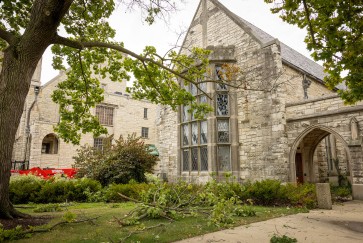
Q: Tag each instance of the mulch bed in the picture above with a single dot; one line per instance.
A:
(25, 222)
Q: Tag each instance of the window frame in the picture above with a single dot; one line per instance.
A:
(105, 114)
(144, 132)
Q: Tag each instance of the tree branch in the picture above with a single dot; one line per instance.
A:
(92, 44)
(7, 36)
(307, 13)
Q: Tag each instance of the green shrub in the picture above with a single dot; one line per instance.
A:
(341, 193)
(25, 189)
(273, 193)
(62, 190)
(120, 162)
(303, 195)
(266, 192)
(133, 190)
(282, 239)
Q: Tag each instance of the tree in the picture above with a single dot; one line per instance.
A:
(28, 27)
(335, 34)
(119, 161)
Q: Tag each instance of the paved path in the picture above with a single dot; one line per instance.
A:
(343, 224)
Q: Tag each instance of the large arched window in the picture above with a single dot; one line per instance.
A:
(50, 144)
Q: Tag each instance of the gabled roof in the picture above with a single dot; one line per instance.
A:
(289, 55)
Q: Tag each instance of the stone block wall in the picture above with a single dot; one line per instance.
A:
(128, 119)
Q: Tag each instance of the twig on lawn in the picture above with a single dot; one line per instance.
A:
(140, 231)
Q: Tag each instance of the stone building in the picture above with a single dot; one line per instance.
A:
(295, 129)
(37, 143)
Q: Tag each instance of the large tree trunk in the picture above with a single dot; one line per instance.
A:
(18, 65)
(15, 80)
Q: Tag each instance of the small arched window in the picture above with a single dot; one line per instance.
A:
(50, 144)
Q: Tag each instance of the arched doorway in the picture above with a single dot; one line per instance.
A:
(50, 144)
(319, 154)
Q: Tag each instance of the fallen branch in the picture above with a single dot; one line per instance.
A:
(59, 223)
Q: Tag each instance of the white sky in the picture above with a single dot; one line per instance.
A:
(136, 34)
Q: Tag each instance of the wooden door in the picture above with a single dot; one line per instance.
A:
(299, 168)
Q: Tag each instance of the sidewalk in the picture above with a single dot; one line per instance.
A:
(342, 224)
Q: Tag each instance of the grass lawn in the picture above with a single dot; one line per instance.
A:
(107, 229)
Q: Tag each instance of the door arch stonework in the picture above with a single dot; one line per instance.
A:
(312, 136)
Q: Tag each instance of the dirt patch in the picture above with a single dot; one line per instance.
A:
(25, 222)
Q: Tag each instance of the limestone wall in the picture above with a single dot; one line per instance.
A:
(320, 117)
(260, 115)
(294, 87)
(128, 119)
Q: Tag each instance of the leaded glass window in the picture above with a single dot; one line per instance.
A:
(223, 131)
(204, 158)
(220, 75)
(186, 134)
(194, 135)
(193, 89)
(203, 87)
(185, 113)
(224, 158)
(203, 132)
(185, 160)
(195, 159)
(222, 104)
(203, 99)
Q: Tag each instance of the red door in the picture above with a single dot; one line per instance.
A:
(299, 168)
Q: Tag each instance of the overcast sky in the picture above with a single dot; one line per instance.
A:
(136, 34)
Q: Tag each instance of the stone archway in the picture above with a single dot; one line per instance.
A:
(301, 157)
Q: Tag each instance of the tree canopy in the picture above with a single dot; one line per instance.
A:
(335, 35)
(82, 39)
(87, 46)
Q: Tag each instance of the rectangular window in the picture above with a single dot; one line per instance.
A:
(185, 134)
(98, 143)
(104, 115)
(185, 160)
(203, 132)
(145, 132)
(195, 159)
(224, 158)
(204, 158)
(223, 131)
(222, 105)
(145, 113)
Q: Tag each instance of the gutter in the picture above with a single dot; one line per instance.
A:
(27, 128)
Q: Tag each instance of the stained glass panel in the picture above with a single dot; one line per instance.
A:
(203, 158)
(194, 159)
(224, 158)
(223, 131)
(203, 132)
(194, 133)
(222, 105)
(185, 160)
(185, 134)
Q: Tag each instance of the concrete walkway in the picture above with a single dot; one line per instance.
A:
(342, 224)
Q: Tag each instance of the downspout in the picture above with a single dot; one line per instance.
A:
(27, 128)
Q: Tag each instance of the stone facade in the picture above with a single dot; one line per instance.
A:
(41, 114)
(267, 128)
